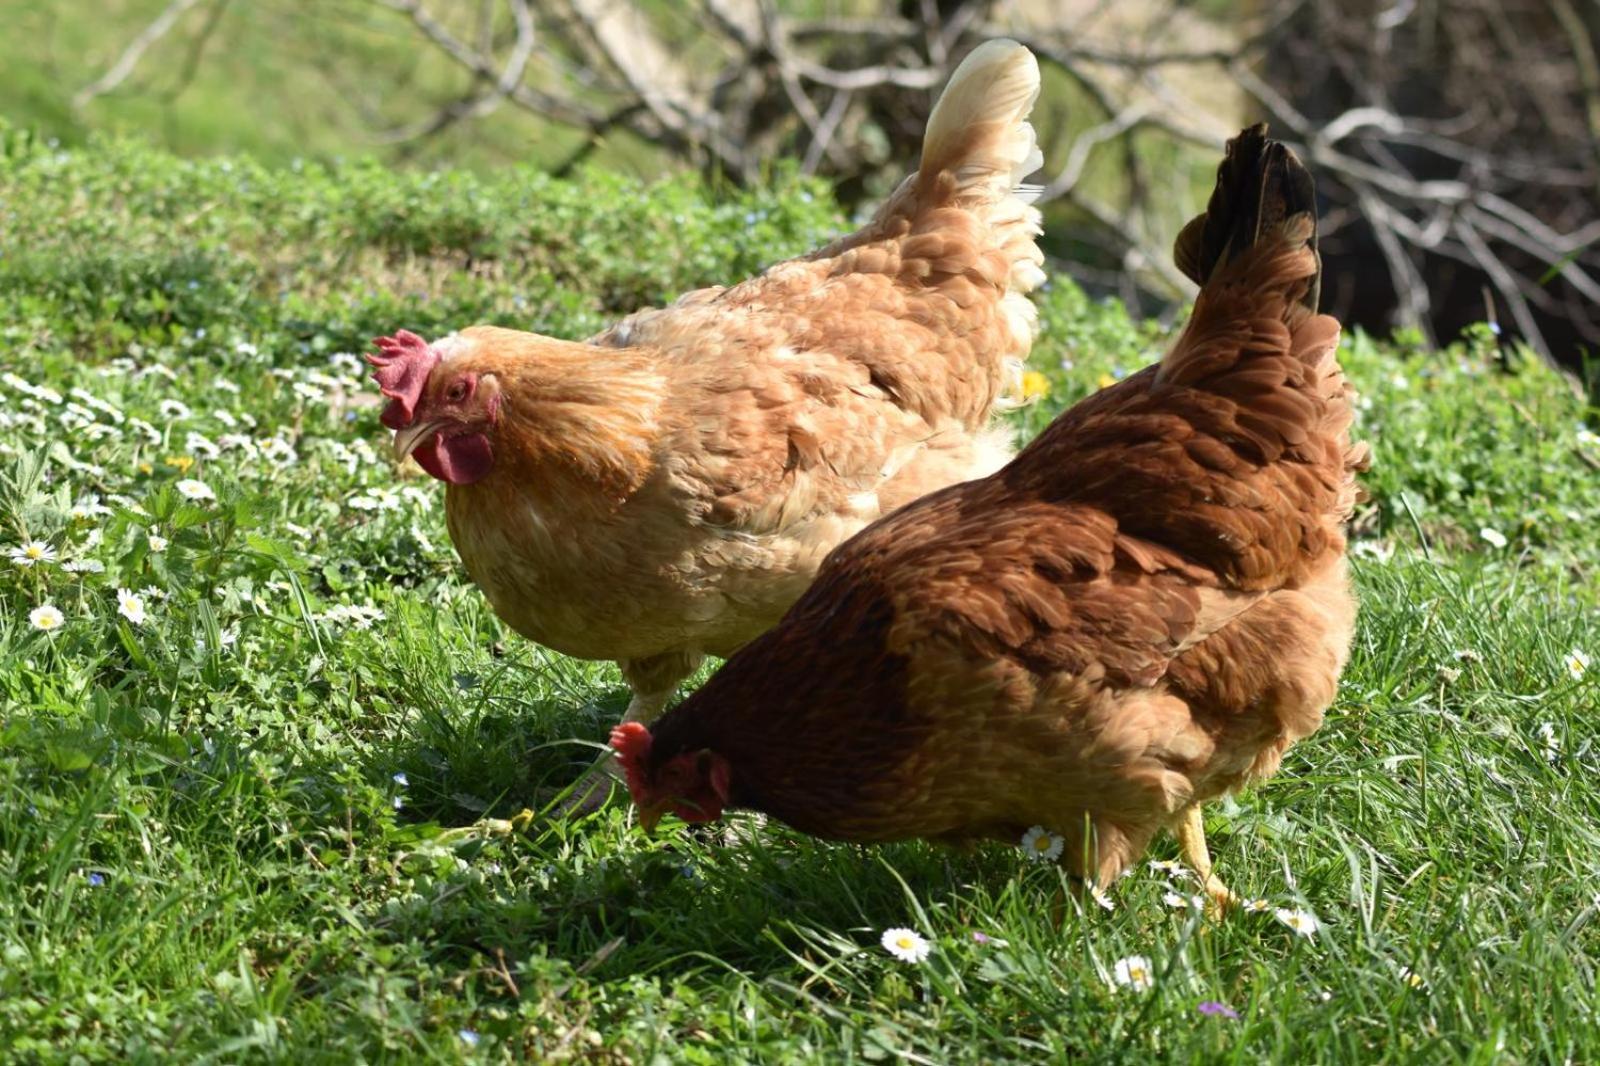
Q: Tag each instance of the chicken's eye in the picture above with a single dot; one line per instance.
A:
(457, 391)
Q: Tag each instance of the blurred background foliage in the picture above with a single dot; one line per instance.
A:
(1457, 141)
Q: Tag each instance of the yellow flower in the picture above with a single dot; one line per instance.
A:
(1034, 385)
(146, 468)
(1105, 381)
(181, 462)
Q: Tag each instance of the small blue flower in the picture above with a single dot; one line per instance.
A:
(468, 1037)
(401, 779)
(95, 879)
(399, 802)
(1217, 1010)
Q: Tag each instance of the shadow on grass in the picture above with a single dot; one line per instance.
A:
(498, 758)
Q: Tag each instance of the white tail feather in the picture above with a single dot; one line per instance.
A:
(979, 129)
(980, 135)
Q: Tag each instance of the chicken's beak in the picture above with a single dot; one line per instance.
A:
(649, 817)
(408, 439)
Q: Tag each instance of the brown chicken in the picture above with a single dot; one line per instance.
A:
(1139, 613)
(667, 489)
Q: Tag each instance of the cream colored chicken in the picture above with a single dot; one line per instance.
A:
(667, 489)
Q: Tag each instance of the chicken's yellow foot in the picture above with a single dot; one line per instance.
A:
(1191, 831)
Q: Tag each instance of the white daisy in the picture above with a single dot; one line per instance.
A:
(1552, 743)
(1493, 537)
(1577, 664)
(277, 450)
(237, 442)
(354, 615)
(151, 434)
(1041, 845)
(87, 508)
(32, 552)
(46, 617)
(1255, 906)
(84, 566)
(1178, 901)
(195, 444)
(1302, 922)
(130, 605)
(191, 489)
(1167, 868)
(157, 542)
(1099, 895)
(1134, 972)
(174, 409)
(907, 945)
(1412, 979)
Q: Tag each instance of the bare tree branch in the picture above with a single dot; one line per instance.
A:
(505, 84)
(129, 59)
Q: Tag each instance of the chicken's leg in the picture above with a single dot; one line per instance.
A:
(653, 681)
(1191, 832)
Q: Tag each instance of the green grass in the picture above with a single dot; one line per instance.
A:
(205, 853)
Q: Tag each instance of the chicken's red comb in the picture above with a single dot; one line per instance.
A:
(631, 741)
(403, 364)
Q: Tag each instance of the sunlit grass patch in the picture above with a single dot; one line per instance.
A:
(244, 684)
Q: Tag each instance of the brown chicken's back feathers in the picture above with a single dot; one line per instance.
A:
(1142, 610)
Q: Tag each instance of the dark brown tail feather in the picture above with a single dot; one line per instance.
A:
(1260, 185)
